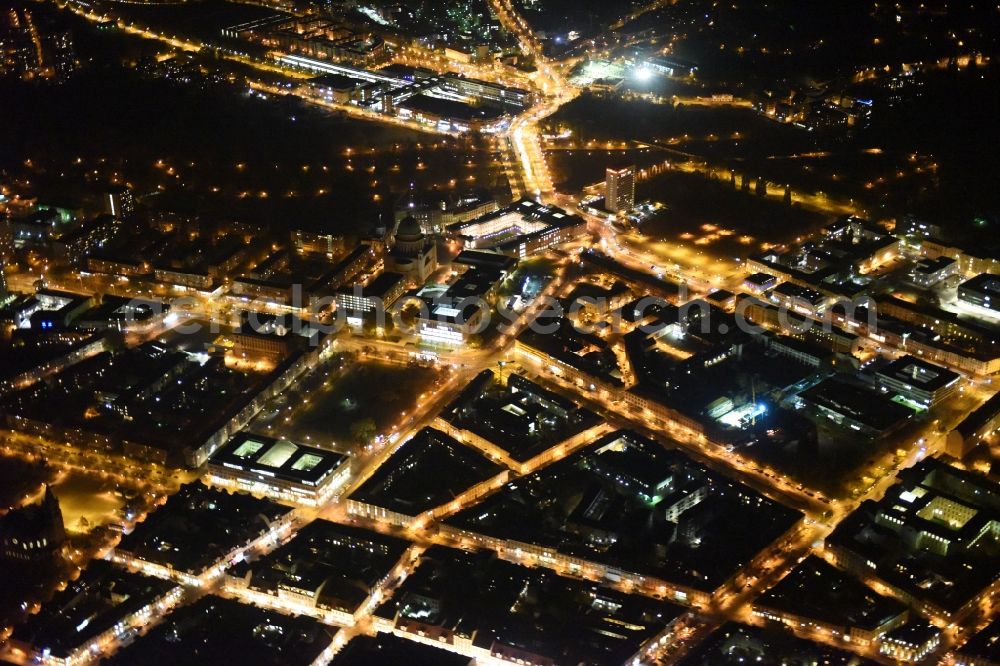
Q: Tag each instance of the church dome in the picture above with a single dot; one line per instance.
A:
(409, 230)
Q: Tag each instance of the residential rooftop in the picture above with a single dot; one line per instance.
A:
(984, 645)
(737, 645)
(520, 416)
(818, 591)
(30, 349)
(197, 526)
(390, 650)
(425, 472)
(100, 598)
(582, 351)
(629, 503)
(216, 631)
(337, 565)
(155, 397)
(523, 613)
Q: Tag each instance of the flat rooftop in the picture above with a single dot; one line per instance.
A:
(377, 287)
(266, 457)
(454, 110)
(336, 82)
(524, 216)
(125, 310)
(857, 403)
(761, 280)
(474, 282)
(791, 290)
(986, 284)
(914, 632)
(982, 416)
(919, 373)
(481, 259)
(931, 266)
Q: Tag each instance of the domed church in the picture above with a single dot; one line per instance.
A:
(413, 253)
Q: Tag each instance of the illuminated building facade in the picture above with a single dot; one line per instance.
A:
(619, 189)
(278, 469)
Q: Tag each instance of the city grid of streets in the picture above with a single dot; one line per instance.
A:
(529, 176)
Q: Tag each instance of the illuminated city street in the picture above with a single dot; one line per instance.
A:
(492, 332)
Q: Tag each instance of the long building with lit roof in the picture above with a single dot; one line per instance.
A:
(278, 469)
(521, 229)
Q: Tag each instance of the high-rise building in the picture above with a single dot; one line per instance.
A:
(619, 189)
(6, 237)
(119, 202)
(62, 52)
(6, 252)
